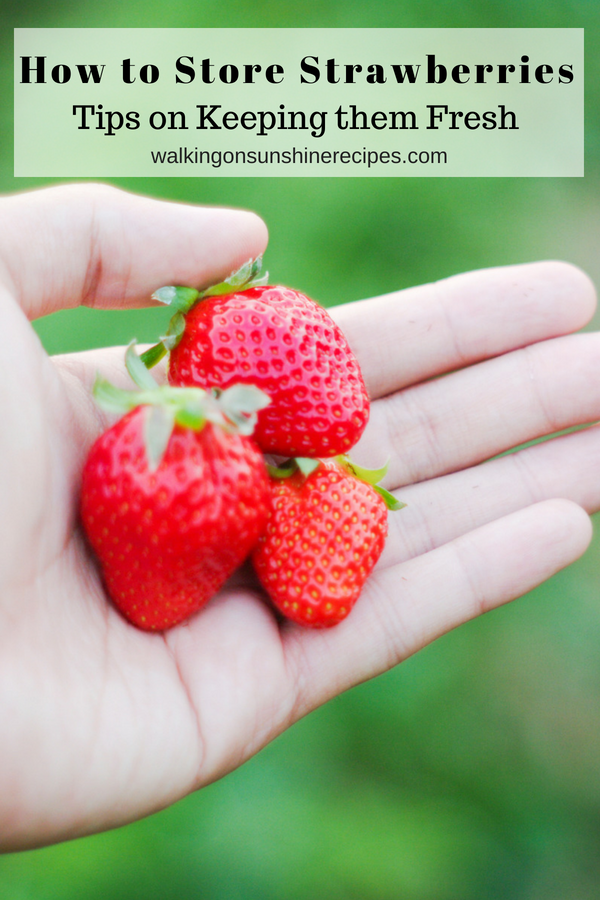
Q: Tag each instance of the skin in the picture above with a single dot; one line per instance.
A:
(107, 723)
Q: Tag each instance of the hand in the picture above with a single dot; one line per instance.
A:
(104, 723)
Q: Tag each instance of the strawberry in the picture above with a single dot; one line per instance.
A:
(326, 531)
(173, 498)
(284, 343)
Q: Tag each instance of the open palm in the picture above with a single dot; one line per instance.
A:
(104, 723)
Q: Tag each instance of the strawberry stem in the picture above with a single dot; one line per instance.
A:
(153, 355)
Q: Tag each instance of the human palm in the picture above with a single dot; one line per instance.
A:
(108, 723)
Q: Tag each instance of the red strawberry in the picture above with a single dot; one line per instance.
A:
(325, 534)
(169, 532)
(285, 344)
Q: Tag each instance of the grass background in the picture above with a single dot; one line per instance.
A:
(472, 771)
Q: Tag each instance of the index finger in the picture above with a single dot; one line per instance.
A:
(415, 334)
(96, 245)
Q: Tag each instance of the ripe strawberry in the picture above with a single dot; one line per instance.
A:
(285, 344)
(170, 520)
(325, 534)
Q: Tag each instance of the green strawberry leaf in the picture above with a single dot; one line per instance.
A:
(112, 399)
(158, 428)
(370, 476)
(174, 331)
(240, 403)
(194, 415)
(307, 466)
(390, 500)
(138, 371)
(245, 277)
(180, 299)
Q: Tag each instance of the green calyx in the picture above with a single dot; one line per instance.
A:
(291, 466)
(369, 476)
(182, 299)
(247, 276)
(234, 409)
(372, 477)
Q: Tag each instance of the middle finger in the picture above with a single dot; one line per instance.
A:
(449, 423)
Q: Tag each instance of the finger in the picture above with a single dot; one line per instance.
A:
(443, 508)
(95, 245)
(468, 416)
(411, 335)
(405, 607)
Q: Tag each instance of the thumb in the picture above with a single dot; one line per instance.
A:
(96, 245)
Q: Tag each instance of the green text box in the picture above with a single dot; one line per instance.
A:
(314, 102)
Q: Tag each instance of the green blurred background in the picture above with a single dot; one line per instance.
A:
(472, 771)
